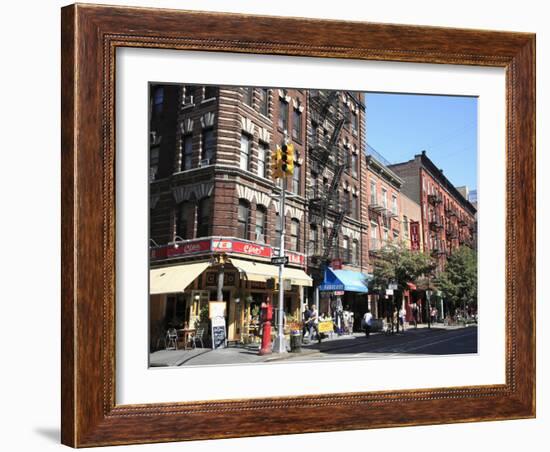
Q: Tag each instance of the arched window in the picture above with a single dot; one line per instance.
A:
(295, 234)
(204, 217)
(185, 220)
(261, 224)
(242, 219)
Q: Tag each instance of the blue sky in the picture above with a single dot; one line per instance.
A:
(402, 125)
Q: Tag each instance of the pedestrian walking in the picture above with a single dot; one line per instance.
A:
(414, 312)
(311, 320)
(402, 315)
(367, 322)
(395, 320)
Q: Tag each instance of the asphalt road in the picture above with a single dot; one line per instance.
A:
(423, 341)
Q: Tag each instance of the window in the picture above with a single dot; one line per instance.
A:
(296, 179)
(355, 207)
(395, 236)
(373, 244)
(189, 93)
(295, 234)
(203, 217)
(385, 198)
(394, 204)
(313, 239)
(296, 124)
(209, 92)
(373, 194)
(185, 220)
(245, 152)
(154, 162)
(263, 151)
(242, 220)
(248, 93)
(264, 101)
(345, 249)
(187, 150)
(354, 165)
(158, 100)
(405, 226)
(283, 115)
(354, 123)
(207, 145)
(355, 252)
(385, 235)
(261, 218)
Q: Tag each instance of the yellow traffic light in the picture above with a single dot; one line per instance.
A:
(287, 165)
(276, 162)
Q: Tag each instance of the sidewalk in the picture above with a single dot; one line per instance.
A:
(248, 354)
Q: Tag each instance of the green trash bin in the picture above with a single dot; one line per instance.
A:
(296, 343)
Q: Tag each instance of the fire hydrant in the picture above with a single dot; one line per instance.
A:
(266, 315)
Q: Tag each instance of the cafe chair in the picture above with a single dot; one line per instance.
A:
(171, 339)
(197, 336)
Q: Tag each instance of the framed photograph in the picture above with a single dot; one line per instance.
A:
(337, 218)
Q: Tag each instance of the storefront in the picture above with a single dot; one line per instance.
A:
(180, 289)
(343, 295)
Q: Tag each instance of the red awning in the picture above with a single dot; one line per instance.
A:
(411, 286)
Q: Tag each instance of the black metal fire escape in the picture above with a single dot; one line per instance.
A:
(328, 162)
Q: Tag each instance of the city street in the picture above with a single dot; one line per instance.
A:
(414, 342)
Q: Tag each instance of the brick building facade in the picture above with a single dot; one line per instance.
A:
(448, 219)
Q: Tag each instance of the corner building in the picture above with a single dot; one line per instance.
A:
(214, 221)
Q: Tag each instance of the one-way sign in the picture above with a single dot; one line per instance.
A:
(279, 260)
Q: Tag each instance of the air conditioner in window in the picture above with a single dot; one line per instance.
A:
(204, 162)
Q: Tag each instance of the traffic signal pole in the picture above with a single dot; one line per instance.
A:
(279, 345)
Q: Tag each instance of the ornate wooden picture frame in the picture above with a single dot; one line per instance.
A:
(90, 37)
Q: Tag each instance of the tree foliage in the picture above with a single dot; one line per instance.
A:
(458, 283)
(400, 265)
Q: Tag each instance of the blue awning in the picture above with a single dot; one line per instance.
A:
(346, 280)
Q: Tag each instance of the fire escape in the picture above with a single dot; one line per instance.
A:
(328, 163)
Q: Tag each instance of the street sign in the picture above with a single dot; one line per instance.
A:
(279, 260)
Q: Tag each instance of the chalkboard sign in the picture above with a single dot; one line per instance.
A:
(219, 335)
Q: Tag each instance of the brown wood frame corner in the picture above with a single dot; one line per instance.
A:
(90, 36)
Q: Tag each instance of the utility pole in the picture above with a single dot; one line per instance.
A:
(279, 346)
(284, 164)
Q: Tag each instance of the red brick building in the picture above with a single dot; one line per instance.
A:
(214, 221)
(448, 219)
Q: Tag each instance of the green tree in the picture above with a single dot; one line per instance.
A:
(458, 282)
(398, 264)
